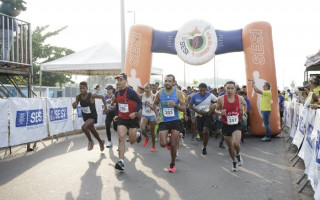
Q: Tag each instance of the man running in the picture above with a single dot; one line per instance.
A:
(110, 114)
(170, 100)
(201, 104)
(231, 107)
(89, 113)
(128, 104)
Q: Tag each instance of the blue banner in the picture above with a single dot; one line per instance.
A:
(56, 114)
(29, 117)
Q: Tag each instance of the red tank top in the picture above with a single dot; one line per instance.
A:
(125, 106)
(232, 116)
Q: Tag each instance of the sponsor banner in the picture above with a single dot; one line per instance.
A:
(101, 114)
(77, 116)
(295, 120)
(314, 167)
(306, 150)
(287, 113)
(28, 120)
(59, 115)
(196, 42)
(4, 110)
(299, 135)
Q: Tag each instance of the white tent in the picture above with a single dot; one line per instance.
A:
(101, 59)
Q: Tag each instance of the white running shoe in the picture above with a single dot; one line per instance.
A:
(109, 144)
(234, 166)
(177, 154)
(181, 138)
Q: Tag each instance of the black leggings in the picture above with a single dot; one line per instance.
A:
(108, 121)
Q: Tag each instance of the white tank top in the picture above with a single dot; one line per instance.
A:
(146, 110)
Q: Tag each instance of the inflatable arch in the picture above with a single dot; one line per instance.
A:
(196, 43)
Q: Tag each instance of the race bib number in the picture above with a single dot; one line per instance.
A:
(231, 120)
(168, 112)
(124, 108)
(86, 110)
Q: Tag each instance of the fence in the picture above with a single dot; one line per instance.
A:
(304, 127)
(32, 119)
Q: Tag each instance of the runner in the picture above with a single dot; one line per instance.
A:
(170, 100)
(201, 104)
(89, 113)
(231, 107)
(148, 115)
(110, 114)
(193, 115)
(128, 105)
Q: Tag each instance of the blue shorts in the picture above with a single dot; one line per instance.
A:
(149, 118)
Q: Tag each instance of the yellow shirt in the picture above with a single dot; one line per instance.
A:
(316, 92)
(265, 103)
(179, 112)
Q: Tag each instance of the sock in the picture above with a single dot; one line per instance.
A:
(122, 161)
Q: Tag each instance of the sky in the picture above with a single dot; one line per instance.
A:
(295, 29)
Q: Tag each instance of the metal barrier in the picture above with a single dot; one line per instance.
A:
(16, 41)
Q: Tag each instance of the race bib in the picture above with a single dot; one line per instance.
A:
(86, 110)
(234, 119)
(148, 109)
(168, 112)
(124, 108)
(204, 108)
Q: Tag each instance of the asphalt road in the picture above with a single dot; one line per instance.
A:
(66, 170)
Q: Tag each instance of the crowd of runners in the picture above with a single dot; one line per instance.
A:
(166, 114)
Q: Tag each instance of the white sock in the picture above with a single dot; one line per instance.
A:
(122, 161)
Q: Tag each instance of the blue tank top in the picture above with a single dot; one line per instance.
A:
(168, 113)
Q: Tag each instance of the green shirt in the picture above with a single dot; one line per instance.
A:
(265, 104)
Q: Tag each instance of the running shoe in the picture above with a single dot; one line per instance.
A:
(181, 138)
(146, 141)
(119, 165)
(90, 146)
(153, 148)
(177, 154)
(109, 144)
(102, 145)
(221, 145)
(204, 150)
(139, 133)
(240, 161)
(198, 137)
(172, 168)
(234, 166)
(266, 139)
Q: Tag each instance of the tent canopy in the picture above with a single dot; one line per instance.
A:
(101, 59)
(313, 62)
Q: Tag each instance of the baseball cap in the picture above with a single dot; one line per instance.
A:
(196, 89)
(121, 76)
(183, 88)
(109, 87)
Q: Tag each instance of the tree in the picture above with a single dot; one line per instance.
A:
(42, 53)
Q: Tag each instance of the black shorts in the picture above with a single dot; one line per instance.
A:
(175, 125)
(227, 130)
(85, 118)
(204, 121)
(129, 123)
